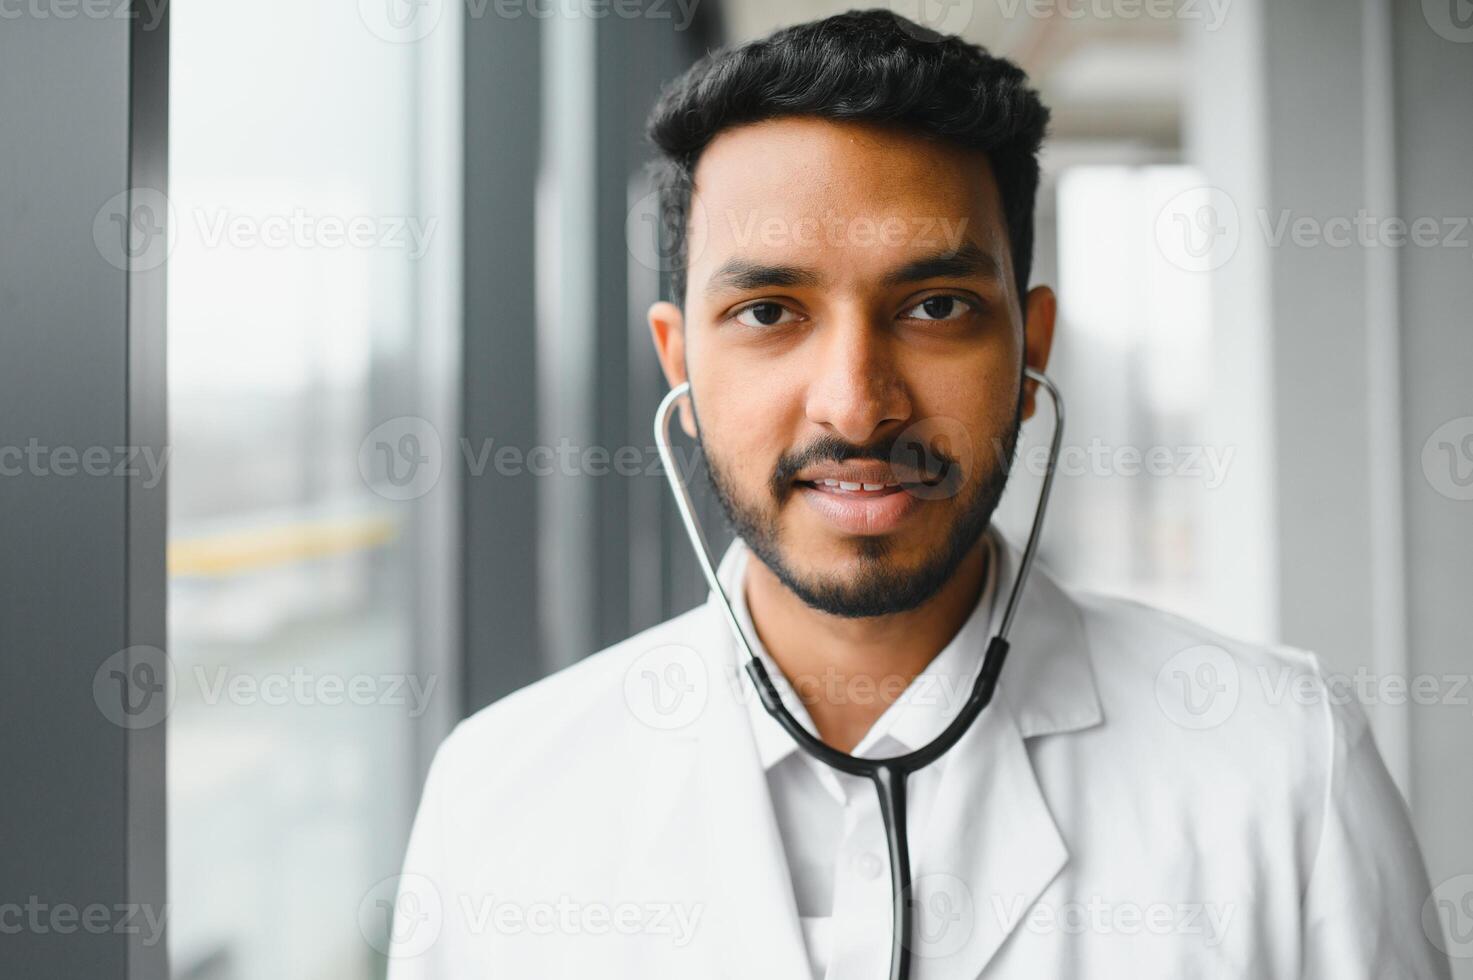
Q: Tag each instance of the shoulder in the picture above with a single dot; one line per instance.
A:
(578, 718)
(1256, 761)
(1224, 719)
(1199, 678)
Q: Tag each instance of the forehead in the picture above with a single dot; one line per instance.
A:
(820, 191)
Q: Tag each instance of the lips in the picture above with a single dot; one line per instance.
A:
(857, 507)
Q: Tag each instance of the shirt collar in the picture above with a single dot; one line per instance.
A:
(931, 700)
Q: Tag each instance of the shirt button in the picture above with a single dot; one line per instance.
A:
(868, 865)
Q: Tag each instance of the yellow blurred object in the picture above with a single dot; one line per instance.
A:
(231, 552)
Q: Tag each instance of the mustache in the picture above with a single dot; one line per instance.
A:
(913, 460)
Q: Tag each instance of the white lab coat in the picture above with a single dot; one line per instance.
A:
(1143, 799)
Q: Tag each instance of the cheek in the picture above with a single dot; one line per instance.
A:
(972, 406)
(746, 430)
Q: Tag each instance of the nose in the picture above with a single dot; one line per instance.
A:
(855, 389)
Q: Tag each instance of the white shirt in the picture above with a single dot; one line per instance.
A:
(830, 821)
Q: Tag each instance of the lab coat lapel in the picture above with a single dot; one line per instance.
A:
(990, 851)
(707, 827)
(753, 905)
(992, 846)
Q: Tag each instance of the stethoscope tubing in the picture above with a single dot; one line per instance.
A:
(888, 775)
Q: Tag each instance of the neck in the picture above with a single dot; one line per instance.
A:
(848, 671)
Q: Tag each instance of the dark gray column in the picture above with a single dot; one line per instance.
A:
(500, 513)
(593, 556)
(1433, 61)
(83, 152)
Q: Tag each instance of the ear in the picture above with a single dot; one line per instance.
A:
(1038, 339)
(667, 329)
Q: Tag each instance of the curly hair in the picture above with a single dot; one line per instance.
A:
(862, 65)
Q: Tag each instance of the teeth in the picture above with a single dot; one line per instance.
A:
(855, 486)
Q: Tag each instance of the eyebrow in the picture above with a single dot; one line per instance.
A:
(965, 261)
(743, 274)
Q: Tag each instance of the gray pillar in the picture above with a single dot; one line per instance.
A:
(84, 113)
(1433, 66)
(503, 648)
(557, 567)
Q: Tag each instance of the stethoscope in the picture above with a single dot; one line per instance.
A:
(888, 775)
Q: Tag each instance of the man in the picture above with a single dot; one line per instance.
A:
(853, 202)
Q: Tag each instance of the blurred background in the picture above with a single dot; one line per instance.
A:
(410, 247)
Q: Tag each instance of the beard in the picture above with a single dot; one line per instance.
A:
(880, 588)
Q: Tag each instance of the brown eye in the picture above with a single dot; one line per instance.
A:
(762, 315)
(939, 308)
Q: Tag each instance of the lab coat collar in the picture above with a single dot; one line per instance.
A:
(1048, 678)
(992, 846)
(922, 712)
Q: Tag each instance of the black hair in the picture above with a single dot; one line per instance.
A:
(862, 65)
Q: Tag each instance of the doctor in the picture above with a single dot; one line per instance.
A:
(853, 200)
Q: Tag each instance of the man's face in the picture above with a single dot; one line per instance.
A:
(854, 344)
